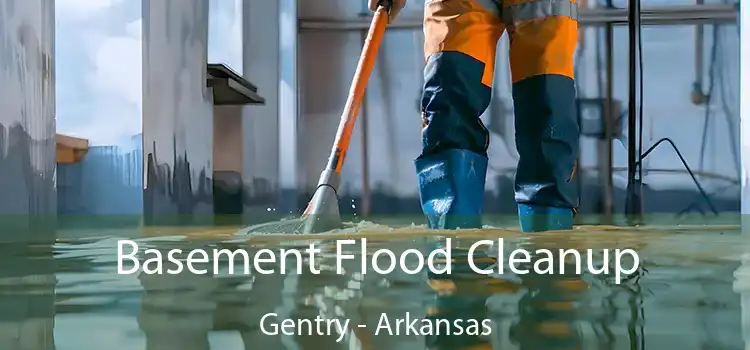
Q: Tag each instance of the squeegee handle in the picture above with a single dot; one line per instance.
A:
(357, 89)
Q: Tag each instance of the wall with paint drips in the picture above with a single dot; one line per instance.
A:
(27, 120)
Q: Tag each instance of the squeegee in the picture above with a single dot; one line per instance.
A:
(322, 212)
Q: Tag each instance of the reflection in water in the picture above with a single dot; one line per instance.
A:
(460, 297)
(548, 311)
(686, 298)
(177, 309)
(27, 297)
(568, 310)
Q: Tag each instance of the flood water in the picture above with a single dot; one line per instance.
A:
(685, 295)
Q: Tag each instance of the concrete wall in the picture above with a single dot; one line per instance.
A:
(27, 171)
(177, 110)
(228, 186)
(289, 172)
(227, 129)
(27, 117)
(745, 105)
(261, 124)
(742, 276)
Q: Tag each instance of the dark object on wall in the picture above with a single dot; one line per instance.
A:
(230, 88)
(227, 193)
(591, 111)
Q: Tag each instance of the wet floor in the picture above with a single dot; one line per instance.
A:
(686, 294)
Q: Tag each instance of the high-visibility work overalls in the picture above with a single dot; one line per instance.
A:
(460, 43)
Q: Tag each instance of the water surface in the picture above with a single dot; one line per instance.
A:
(69, 296)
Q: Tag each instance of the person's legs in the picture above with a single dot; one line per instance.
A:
(460, 43)
(544, 35)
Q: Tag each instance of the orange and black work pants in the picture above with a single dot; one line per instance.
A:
(460, 44)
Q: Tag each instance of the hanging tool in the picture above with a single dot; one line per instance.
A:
(322, 212)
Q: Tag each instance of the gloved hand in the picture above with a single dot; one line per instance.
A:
(396, 7)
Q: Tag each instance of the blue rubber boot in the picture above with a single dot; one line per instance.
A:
(537, 218)
(451, 188)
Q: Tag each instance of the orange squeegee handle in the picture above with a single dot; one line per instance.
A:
(357, 89)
